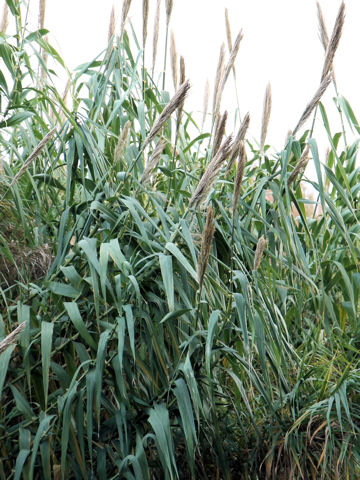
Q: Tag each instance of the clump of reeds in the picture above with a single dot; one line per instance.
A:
(210, 174)
(176, 101)
(265, 117)
(260, 247)
(205, 249)
(34, 154)
(153, 160)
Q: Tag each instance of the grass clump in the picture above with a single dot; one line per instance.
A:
(194, 320)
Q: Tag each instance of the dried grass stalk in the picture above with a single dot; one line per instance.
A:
(174, 60)
(11, 338)
(122, 142)
(210, 174)
(34, 155)
(124, 14)
(145, 20)
(153, 160)
(219, 132)
(218, 80)
(206, 102)
(156, 32)
(300, 166)
(111, 31)
(313, 103)
(206, 242)
(265, 117)
(240, 136)
(169, 6)
(324, 37)
(334, 41)
(260, 247)
(42, 8)
(4, 19)
(176, 101)
(239, 177)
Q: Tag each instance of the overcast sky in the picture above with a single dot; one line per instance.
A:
(280, 45)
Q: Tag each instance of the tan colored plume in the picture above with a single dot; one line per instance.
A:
(300, 166)
(206, 102)
(111, 31)
(231, 62)
(145, 20)
(260, 247)
(240, 136)
(239, 177)
(333, 42)
(5, 18)
(265, 117)
(176, 101)
(210, 174)
(153, 160)
(35, 153)
(219, 132)
(314, 102)
(173, 56)
(11, 338)
(124, 14)
(169, 6)
(206, 242)
(156, 33)
(122, 142)
(218, 80)
(181, 106)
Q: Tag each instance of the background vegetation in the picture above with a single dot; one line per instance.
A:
(184, 310)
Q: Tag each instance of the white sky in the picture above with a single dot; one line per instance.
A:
(280, 45)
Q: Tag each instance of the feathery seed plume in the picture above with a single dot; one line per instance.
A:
(219, 132)
(156, 33)
(111, 30)
(237, 142)
(231, 61)
(145, 20)
(228, 30)
(206, 102)
(122, 142)
(169, 7)
(265, 117)
(315, 100)
(324, 37)
(260, 247)
(218, 80)
(176, 101)
(300, 166)
(334, 41)
(239, 177)
(42, 6)
(210, 174)
(205, 248)
(124, 14)
(5, 19)
(11, 338)
(36, 152)
(181, 106)
(173, 55)
(153, 160)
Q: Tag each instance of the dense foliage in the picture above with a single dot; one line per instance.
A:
(128, 365)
